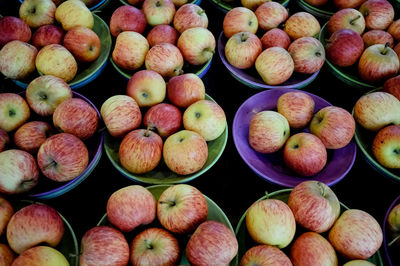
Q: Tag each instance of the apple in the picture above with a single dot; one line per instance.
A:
(274, 65)
(32, 225)
(17, 59)
(13, 28)
(135, 2)
(356, 234)
(270, 15)
(308, 55)
(190, 16)
(130, 207)
(162, 33)
(185, 152)
(72, 13)
(45, 93)
(37, 13)
(164, 118)
(120, 114)
(130, 50)
(314, 205)
(14, 111)
(19, 171)
(340, 4)
(4, 140)
(181, 208)
(394, 29)
(127, 18)
(358, 263)
(154, 246)
(275, 37)
(158, 11)
(47, 34)
(104, 245)
(239, 19)
(212, 243)
(185, 89)
(147, 87)
(7, 256)
(297, 107)
(372, 37)
(302, 24)
(242, 49)
(393, 221)
(30, 136)
(265, 255)
(83, 43)
(344, 47)
(316, 2)
(140, 151)
(392, 86)
(378, 63)
(396, 49)
(271, 222)
(378, 14)
(62, 157)
(41, 256)
(252, 4)
(165, 59)
(385, 146)
(311, 248)
(347, 18)
(6, 211)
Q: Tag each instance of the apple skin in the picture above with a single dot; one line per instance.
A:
(396, 49)
(190, 16)
(372, 37)
(270, 15)
(239, 19)
(358, 263)
(17, 59)
(147, 87)
(181, 208)
(162, 33)
(127, 18)
(158, 12)
(4, 140)
(140, 151)
(185, 152)
(185, 89)
(104, 245)
(297, 107)
(47, 34)
(41, 256)
(314, 205)
(302, 24)
(32, 225)
(14, 111)
(308, 55)
(242, 49)
(164, 118)
(165, 59)
(7, 256)
(62, 157)
(45, 93)
(394, 29)
(30, 136)
(83, 43)
(393, 220)
(212, 243)
(392, 86)
(13, 28)
(271, 222)
(130, 207)
(311, 248)
(37, 13)
(265, 255)
(378, 14)
(120, 114)
(6, 212)
(340, 4)
(347, 18)
(275, 37)
(385, 146)
(356, 234)
(72, 13)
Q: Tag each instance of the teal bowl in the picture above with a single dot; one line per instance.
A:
(225, 6)
(246, 242)
(324, 12)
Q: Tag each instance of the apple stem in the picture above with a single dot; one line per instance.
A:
(354, 20)
(266, 194)
(148, 244)
(385, 49)
(53, 163)
(322, 189)
(394, 240)
(178, 71)
(169, 202)
(243, 37)
(147, 133)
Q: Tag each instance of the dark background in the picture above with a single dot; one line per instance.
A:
(230, 182)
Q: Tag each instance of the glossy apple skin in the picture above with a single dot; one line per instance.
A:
(311, 248)
(212, 243)
(372, 37)
(47, 34)
(165, 59)
(302, 24)
(340, 4)
(385, 146)
(6, 211)
(41, 255)
(190, 16)
(275, 37)
(7, 256)
(127, 18)
(164, 118)
(14, 111)
(356, 234)
(120, 114)
(4, 140)
(265, 255)
(394, 29)
(32, 225)
(104, 245)
(378, 14)
(140, 151)
(242, 49)
(155, 246)
(74, 13)
(37, 13)
(162, 33)
(62, 157)
(181, 208)
(347, 18)
(185, 89)
(158, 11)
(239, 19)
(13, 28)
(392, 86)
(83, 43)
(30, 136)
(297, 107)
(308, 55)
(270, 15)
(130, 207)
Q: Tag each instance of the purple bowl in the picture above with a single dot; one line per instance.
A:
(387, 236)
(271, 167)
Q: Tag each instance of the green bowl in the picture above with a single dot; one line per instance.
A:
(246, 242)
(324, 12)
(161, 174)
(215, 213)
(225, 6)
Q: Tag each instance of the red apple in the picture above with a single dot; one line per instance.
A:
(396, 49)
(347, 18)
(127, 18)
(270, 15)
(394, 29)
(242, 49)
(190, 16)
(385, 146)
(158, 11)
(265, 255)
(162, 33)
(340, 4)
(297, 107)
(239, 19)
(14, 111)
(30, 136)
(7, 256)
(308, 55)
(165, 59)
(372, 37)
(275, 37)
(6, 212)
(185, 89)
(13, 28)
(83, 43)
(392, 86)
(41, 255)
(302, 24)
(378, 14)
(4, 140)
(164, 118)
(47, 34)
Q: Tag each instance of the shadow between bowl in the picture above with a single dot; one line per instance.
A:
(387, 237)
(325, 12)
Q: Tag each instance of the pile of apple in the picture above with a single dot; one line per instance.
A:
(62, 41)
(313, 212)
(32, 234)
(51, 140)
(305, 153)
(366, 39)
(161, 136)
(161, 230)
(278, 53)
(146, 39)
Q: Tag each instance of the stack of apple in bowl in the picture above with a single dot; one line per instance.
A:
(391, 232)
(361, 44)
(290, 57)
(145, 39)
(49, 140)
(160, 225)
(66, 41)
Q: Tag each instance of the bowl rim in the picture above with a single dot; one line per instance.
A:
(384, 225)
(225, 7)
